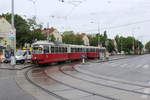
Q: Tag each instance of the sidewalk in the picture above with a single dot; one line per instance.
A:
(16, 67)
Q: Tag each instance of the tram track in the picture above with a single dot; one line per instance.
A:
(95, 94)
(105, 85)
(40, 87)
(80, 89)
(83, 90)
(56, 95)
(113, 80)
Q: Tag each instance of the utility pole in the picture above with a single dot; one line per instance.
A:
(48, 35)
(14, 32)
(12, 13)
(121, 45)
(13, 26)
(133, 44)
(132, 32)
(98, 34)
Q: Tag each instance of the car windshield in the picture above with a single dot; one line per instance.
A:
(19, 53)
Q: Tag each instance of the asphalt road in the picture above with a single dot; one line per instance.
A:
(136, 69)
(9, 90)
(123, 79)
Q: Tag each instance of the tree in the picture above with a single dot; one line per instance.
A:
(22, 28)
(147, 46)
(52, 38)
(70, 38)
(33, 24)
(78, 40)
(138, 47)
(93, 40)
(110, 46)
(35, 36)
(127, 43)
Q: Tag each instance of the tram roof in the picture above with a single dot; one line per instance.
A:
(70, 45)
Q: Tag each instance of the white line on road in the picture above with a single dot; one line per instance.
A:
(146, 66)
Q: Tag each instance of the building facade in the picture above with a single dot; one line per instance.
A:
(6, 33)
(85, 39)
(54, 32)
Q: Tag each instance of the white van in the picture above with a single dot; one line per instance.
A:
(22, 56)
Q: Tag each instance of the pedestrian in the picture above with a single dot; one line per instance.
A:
(107, 56)
(25, 60)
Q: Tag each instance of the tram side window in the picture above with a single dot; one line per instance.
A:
(79, 49)
(93, 50)
(46, 49)
(83, 50)
(71, 50)
(64, 49)
(59, 49)
(90, 49)
(52, 49)
(56, 50)
(87, 50)
(75, 50)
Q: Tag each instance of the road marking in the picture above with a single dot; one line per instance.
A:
(146, 66)
(124, 65)
(138, 66)
(147, 90)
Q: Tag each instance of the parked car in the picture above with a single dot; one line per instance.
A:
(22, 56)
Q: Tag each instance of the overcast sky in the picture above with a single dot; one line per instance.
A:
(122, 17)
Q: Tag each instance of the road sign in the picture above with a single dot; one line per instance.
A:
(10, 38)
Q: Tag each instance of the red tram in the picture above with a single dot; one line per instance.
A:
(46, 52)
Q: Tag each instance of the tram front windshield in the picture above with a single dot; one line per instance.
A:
(37, 50)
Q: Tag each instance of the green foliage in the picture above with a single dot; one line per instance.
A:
(33, 24)
(70, 38)
(22, 28)
(35, 36)
(128, 44)
(110, 46)
(26, 30)
(99, 39)
(78, 40)
(68, 33)
(52, 38)
(93, 40)
(147, 46)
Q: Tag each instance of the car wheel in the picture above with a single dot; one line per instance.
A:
(22, 61)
